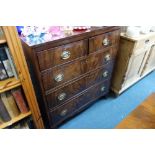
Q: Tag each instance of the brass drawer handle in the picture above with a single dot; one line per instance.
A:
(62, 96)
(102, 88)
(63, 112)
(107, 57)
(59, 77)
(105, 74)
(65, 55)
(106, 42)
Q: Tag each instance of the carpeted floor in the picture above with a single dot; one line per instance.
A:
(107, 113)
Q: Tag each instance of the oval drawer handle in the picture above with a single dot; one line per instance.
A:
(63, 112)
(107, 57)
(65, 55)
(105, 74)
(106, 42)
(102, 88)
(62, 96)
(59, 77)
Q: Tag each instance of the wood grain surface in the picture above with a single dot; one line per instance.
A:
(143, 117)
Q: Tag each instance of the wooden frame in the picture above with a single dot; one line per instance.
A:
(15, 47)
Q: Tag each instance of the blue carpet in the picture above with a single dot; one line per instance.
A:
(107, 113)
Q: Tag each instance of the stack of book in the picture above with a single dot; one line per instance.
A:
(12, 104)
(7, 67)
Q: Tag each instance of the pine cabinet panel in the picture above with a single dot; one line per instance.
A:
(136, 58)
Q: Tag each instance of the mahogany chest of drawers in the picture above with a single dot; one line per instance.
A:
(71, 72)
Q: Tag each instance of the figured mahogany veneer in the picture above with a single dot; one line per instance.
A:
(143, 117)
(70, 73)
(69, 108)
(75, 87)
(102, 41)
(76, 68)
(52, 57)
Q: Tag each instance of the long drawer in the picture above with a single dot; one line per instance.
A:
(64, 93)
(62, 54)
(59, 114)
(73, 70)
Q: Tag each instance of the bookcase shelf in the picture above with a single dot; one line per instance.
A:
(12, 40)
(9, 84)
(14, 120)
(2, 41)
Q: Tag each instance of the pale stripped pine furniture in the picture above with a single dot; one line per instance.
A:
(135, 59)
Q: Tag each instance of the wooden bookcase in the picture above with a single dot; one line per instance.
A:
(24, 80)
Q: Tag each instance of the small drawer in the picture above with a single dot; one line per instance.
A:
(62, 54)
(62, 112)
(102, 41)
(58, 75)
(145, 43)
(62, 94)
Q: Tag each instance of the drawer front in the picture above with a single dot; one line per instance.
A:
(62, 112)
(64, 93)
(145, 43)
(61, 95)
(93, 93)
(102, 41)
(61, 74)
(101, 58)
(62, 54)
(64, 73)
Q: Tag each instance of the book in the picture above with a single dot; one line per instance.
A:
(4, 59)
(3, 74)
(10, 104)
(11, 62)
(3, 112)
(17, 94)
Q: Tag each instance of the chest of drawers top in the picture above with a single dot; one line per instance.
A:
(65, 39)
